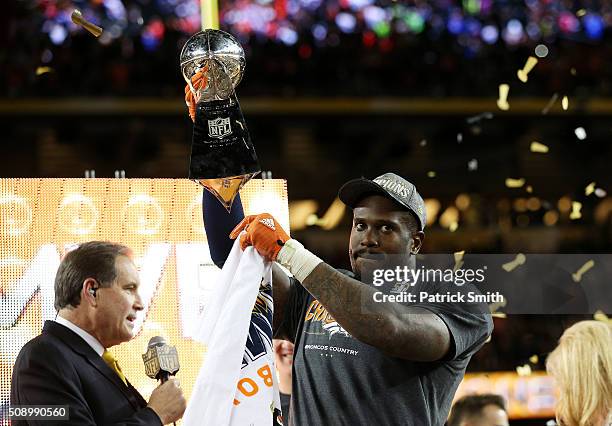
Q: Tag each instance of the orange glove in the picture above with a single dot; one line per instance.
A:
(262, 232)
(198, 81)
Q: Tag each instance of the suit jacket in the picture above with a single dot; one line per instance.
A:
(60, 368)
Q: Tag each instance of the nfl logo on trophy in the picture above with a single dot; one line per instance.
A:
(219, 127)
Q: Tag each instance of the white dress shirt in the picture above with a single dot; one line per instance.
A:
(91, 341)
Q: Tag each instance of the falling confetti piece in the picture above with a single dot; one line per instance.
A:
(580, 133)
(423, 142)
(538, 147)
(529, 189)
(473, 165)
(577, 276)
(524, 370)
(431, 174)
(589, 189)
(573, 71)
(551, 422)
(458, 259)
(581, 12)
(518, 261)
(499, 315)
(600, 316)
(453, 226)
(533, 359)
(565, 103)
(576, 207)
(475, 119)
(515, 183)
(43, 70)
(600, 192)
(550, 103)
(78, 19)
(523, 73)
(502, 102)
(459, 137)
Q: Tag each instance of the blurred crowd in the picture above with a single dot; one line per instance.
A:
(313, 48)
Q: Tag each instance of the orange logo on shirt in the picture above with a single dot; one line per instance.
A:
(317, 312)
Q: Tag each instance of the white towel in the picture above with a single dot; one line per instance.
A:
(237, 383)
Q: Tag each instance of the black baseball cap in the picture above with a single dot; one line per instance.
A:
(390, 185)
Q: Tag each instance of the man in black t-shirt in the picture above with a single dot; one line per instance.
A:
(357, 361)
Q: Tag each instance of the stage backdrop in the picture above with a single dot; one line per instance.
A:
(160, 219)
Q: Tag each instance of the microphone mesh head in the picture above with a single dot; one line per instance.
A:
(157, 341)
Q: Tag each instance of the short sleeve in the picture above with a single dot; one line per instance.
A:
(469, 325)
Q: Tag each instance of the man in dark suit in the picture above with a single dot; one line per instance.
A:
(97, 299)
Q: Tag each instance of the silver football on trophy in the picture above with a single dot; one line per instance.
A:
(220, 56)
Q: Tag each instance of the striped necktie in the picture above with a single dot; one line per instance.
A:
(111, 361)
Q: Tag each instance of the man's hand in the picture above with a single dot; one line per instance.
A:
(198, 81)
(262, 232)
(168, 401)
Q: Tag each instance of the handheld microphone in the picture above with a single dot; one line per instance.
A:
(161, 360)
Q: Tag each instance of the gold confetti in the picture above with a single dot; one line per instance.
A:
(431, 174)
(573, 71)
(538, 147)
(515, 183)
(576, 207)
(524, 370)
(522, 73)
(565, 103)
(580, 133)
(577, 276)
(458, 258)
(499, 315)
(589, 189)
(600, 316)
(580, 13)
(78, 19)
(43, 70)
(502, 102)
(600, 192)
(453, 226)
(529, 189)
(518, 261)
(533, 359)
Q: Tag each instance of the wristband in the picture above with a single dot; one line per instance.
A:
(297, 259)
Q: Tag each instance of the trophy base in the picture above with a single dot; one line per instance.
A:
(225, 189)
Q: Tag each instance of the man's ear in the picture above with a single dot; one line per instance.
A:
(89, 291)
(417, 241)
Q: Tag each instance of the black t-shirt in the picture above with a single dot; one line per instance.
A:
(338, 380)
